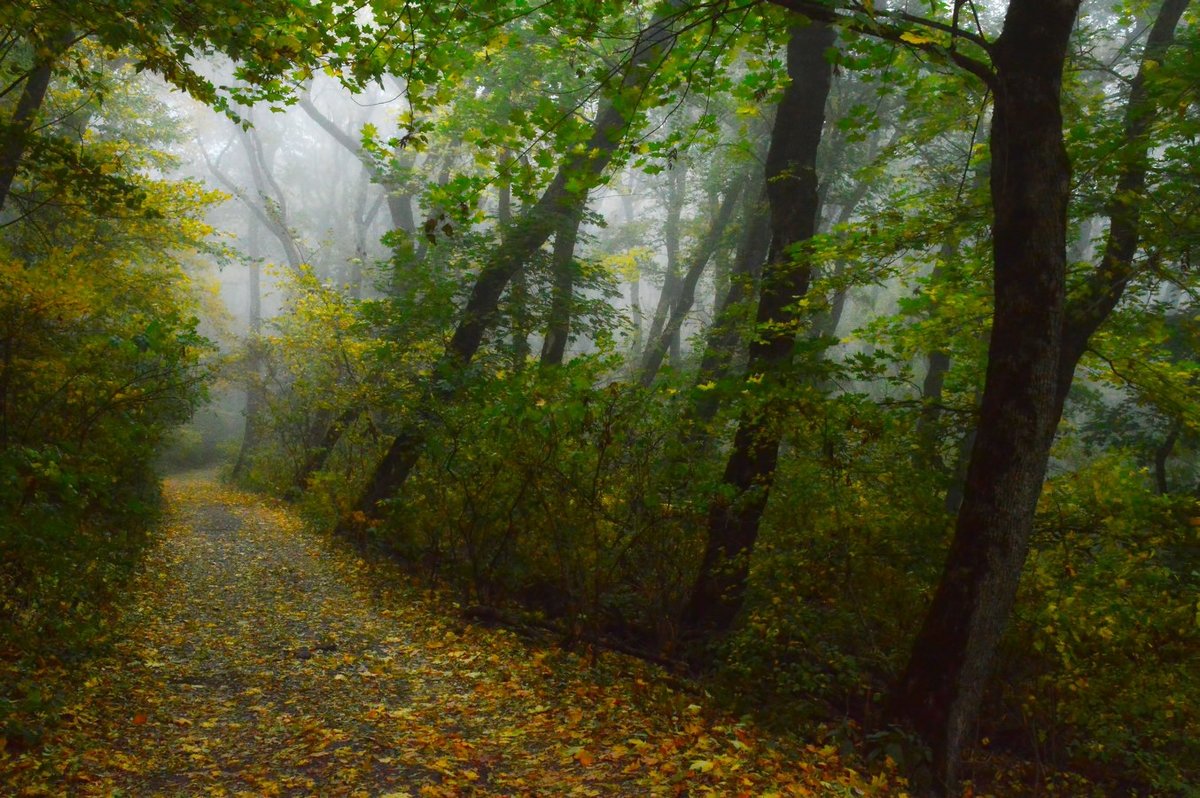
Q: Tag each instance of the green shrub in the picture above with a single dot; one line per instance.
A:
(1104, 645)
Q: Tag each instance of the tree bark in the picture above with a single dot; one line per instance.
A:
(792, 190)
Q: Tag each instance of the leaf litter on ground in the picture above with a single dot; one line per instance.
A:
(257, 658)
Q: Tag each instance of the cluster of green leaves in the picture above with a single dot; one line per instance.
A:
(549, 487)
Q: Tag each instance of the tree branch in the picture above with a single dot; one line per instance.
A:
(893, 33)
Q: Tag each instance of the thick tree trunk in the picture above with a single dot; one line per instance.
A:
(1036, 342)
(792, 190)
(535, 225)
(686, 291)
(940, 691)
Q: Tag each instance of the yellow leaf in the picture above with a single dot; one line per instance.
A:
(702, 765)
(915, 38)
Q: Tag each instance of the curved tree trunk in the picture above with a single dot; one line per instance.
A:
(792, 188)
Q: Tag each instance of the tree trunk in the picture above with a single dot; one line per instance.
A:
(635, 289)
(33, 94)
(676, 183)
(318, 454)
(723, 335)
(254, 399)
(686, 291)
(937, 365)
(582, 170)
(792, 190)
(562, 263)
(1161, 454)
(1089, 309)
(940, 691)
(399, 203)
(519, 292)
(1036, 342)
(270, 211)
(274, 200)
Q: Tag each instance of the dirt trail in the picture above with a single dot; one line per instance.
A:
(260, 659)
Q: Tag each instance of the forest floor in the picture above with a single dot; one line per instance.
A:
(257, 658)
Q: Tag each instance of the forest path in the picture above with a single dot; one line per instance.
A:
(261, 659)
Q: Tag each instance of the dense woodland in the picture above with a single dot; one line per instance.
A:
(840, 356)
